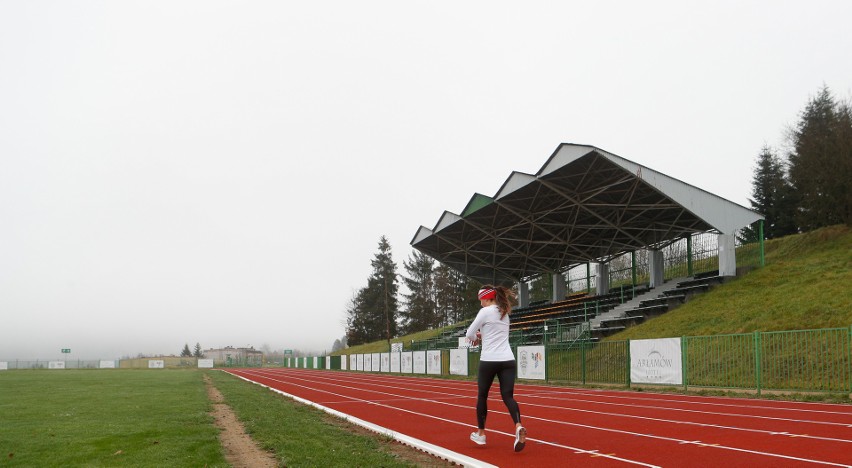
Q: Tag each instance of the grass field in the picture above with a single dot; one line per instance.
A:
(118, 417)
(106, 418)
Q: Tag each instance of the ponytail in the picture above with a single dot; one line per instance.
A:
(503, 297)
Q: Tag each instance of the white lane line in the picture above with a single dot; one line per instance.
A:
(452, 421)
(769, 454)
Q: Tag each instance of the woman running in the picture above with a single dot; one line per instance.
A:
(491, 326)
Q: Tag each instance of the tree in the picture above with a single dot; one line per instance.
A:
(455, 295)
(771, 195)
(420, 312)
(186, 352)
(198, 352)
(541, 288)
(372, 313)
(821, 162)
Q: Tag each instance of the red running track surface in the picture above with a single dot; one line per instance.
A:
(582, 427)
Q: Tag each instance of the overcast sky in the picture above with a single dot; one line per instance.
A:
(221, 172)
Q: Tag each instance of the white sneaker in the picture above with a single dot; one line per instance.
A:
(479, 439)
(520, 438)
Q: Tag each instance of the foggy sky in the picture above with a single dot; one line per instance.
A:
(221, 172)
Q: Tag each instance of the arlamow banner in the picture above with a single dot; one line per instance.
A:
(656, 361)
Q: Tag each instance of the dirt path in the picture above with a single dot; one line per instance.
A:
(240, 450)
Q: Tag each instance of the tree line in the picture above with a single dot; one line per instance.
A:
(809, 184)
(803, 188)
(436, 296)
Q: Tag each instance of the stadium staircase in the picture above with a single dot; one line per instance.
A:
(654, 302)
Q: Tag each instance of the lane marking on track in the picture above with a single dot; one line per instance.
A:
(685, 410)
(648, 418)
(758, 407)
(512, 435)
(689, 423)
(724, 447)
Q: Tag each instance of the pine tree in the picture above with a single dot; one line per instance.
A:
(420, 312)
(372, 313)
(198, 352)
(455, 295)
(186, 352)
(541, 288)
(771, 196)
(821, 163)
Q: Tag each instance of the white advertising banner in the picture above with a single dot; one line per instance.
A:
(406, 362)
(458, 361)
(377, 362)
(433, 362)
(656, 361)
(419, 366)
(56, 365)
(367, 365)
(385, 367)
(4, 365)
(328, 362)
(107, 365)
(463, 343)
(305, 362)
(394, 361)
(531, 363)
(156, 364)
(316, 363)
(205, 363)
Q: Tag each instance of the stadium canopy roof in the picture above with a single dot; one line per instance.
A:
(583, 205)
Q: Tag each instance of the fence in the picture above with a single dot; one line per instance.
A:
(800, 360)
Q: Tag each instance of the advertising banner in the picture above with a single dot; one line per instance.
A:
(395, 360)
(205, 363)
(407, 362)
(156, 364)
(458, 361)
(531, 363)
(433, 362)
(377, 362)
(385, 367)
(656, 361)
(419, 361)
(56, 365)
(107, 365)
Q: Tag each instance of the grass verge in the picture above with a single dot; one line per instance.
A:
(106, 418)
(304, 436)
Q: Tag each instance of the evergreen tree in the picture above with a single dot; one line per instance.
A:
(198, 352)
(186, 352)
(772, 196)
(455, 295)
(372, 314)
(821, 163)
(420, 312)
(541, 288)
(357, 331)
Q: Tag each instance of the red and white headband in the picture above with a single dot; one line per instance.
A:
(487, 293)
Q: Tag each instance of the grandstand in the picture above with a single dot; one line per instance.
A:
(584, 210)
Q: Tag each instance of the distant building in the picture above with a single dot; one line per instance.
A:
(237, 356)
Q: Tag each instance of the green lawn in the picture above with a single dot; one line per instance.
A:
(105, 417)
(160, 418)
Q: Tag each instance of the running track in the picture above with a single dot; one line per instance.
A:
(580, 427)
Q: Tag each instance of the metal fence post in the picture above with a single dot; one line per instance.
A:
(757, 361)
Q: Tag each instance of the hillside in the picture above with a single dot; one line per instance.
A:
(806, 284)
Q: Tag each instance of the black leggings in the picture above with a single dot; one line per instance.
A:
(505, 372)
